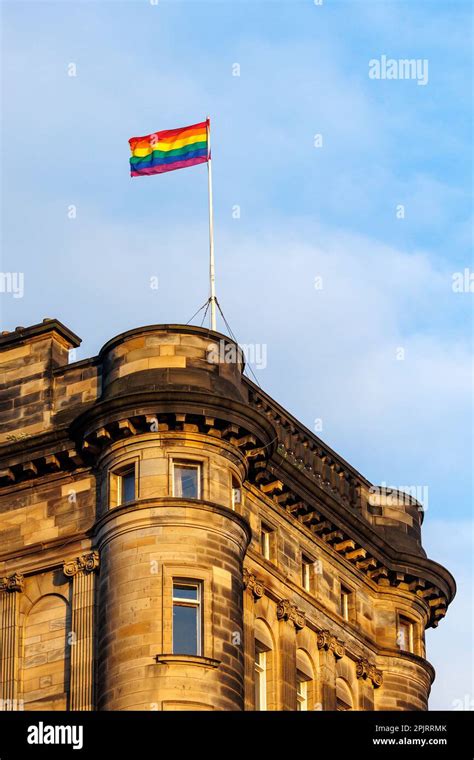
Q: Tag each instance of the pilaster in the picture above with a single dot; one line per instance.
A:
(10, 588)
(82, 571)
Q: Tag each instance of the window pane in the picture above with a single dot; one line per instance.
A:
(185, 592)
(128, 487)
(258, 689)
(186, 482)
(260, 679)
(185, 630)
(306, 573)
(265, 541)
(301, 694)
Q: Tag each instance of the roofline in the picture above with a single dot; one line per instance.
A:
(204, 332)
(22, 334)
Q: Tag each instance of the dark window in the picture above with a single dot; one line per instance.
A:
(126, 486)
(186, 618)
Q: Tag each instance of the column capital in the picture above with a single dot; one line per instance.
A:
(367, 670)
(253, 584)
(86, 563)
(288, 611)
(13, 582)
(329, 642)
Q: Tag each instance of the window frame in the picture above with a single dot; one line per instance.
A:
(261, 675)
(344, 602)
(115, 483)
(301, 692)
(307, 574)
(120, 484)
(235, 492)
(174, 571)
(195, 604)
(267, 541)
(347, 602)
(403, 620)
(190, 464)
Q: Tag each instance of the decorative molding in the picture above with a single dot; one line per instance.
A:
(67, 459)
(326, 640)
(365, 669)
(295, 446)
(85, 563)
(288, 611)
(187, 659)
(306, 453)
(253, 584)
(13, 582)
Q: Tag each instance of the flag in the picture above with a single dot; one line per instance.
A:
(169, 150)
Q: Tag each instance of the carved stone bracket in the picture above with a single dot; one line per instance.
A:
(331, 643)
(253, 584)
(365, 669)
(13, 582)
(86, 562)
(288, 611)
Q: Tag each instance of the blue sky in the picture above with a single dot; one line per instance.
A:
(305, 212)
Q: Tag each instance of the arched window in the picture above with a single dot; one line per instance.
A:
(263, 667)
(304, 681)
(46, 654)
(343, 695)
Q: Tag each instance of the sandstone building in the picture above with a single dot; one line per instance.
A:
(173, 539)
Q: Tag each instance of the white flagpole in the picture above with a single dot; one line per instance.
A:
(212, 272)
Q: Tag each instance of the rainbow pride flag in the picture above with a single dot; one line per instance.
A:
(169, 150)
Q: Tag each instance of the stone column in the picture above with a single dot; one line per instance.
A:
(82, 571)
(254, 590)
(9, 676)
(330, 649)
(290, 618)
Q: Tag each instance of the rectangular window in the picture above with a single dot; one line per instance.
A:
(187, 480)
(306, 565)
(236, 493)
(405, 634)
(187, 617)
(301, 692)
(126, 485)
(345, 602)
(260, 678)
(266, 541)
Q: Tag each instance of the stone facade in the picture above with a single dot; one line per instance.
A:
(313, 588)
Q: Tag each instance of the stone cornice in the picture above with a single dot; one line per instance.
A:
(186, 659)
(358, 545)
(166, 502)
(230, 421)
(18, 336)
(220, 417)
